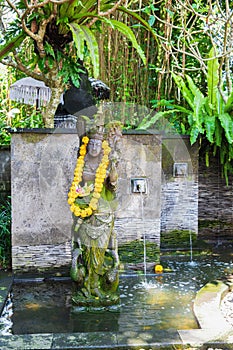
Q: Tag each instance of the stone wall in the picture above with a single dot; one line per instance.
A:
(179, 185)
(215, 210)
(42, 170)
(5, 172)
(139, 213)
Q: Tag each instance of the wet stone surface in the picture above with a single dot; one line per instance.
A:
(227, 307)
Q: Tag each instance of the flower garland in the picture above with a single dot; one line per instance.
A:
(77, 191)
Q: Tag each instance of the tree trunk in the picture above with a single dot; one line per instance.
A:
(48, 115)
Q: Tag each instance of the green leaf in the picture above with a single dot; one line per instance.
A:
(213, 80)
(218, 133)
(79, 38)
(193, 88)
(93, 48)
(128, 33)
(48, 49)
(11, 45)
(151, 20)
(229, 104)
(207, 162)
(181, 109)
(209, 122)
(194, 134)
(63, 9)
(198, 102)
(187, 94)
(139, 19)
(146, 122)
(227, 125)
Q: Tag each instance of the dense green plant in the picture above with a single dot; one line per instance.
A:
(204, 116)
(209, 115)
(49, 40)
(12, 114)
(178, 42)
(5, 234)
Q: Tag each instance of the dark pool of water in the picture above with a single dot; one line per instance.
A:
(152, 303)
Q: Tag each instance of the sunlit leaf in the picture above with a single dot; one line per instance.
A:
(11, 45)
(186, 92)
(213, 79)
(227, 124)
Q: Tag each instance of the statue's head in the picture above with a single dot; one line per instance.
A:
(94, 147)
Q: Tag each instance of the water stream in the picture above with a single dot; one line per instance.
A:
(144, 235)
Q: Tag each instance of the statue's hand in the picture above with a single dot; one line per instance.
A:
(113, 176)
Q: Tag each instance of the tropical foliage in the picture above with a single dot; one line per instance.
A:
(181, 81)
(14, 114)
(5, 234)
(210, 115)
(49, 40)
(206, 116)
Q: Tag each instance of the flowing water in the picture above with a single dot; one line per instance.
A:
(161, 302)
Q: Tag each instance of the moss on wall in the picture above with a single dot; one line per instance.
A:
(133, 252)
(177, 239)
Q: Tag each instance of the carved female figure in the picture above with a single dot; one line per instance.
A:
(92, 199)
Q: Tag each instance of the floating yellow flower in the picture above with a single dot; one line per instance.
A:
(158, 268)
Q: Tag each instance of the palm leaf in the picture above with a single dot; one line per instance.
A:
(11, 45)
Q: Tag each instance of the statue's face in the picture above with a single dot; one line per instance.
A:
(94, 147)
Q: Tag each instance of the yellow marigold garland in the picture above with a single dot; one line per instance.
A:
(99, 180)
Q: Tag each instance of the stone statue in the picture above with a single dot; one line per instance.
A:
(95, 255)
